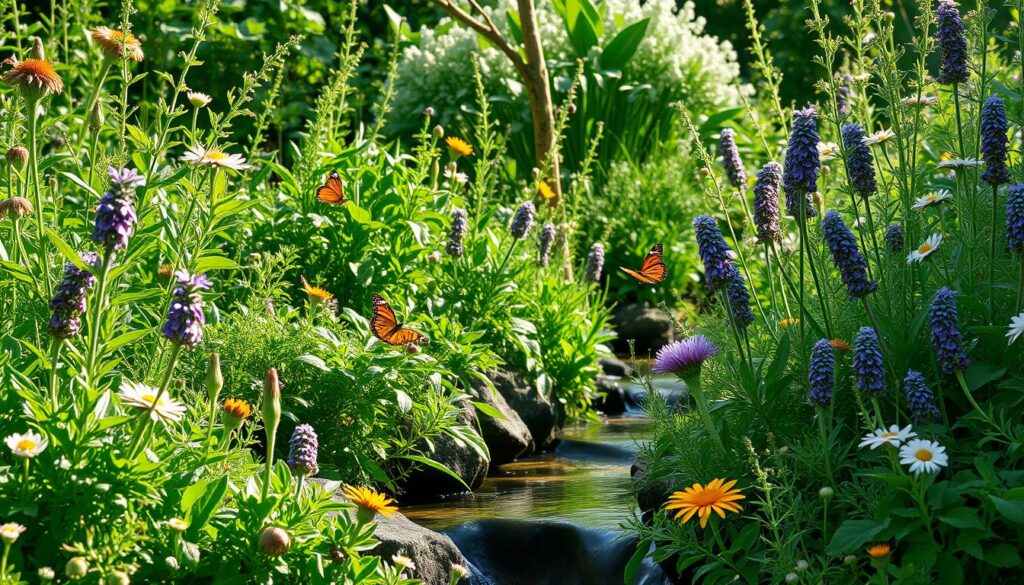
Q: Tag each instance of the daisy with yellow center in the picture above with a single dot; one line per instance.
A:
(315, 293)
(116, 45)
(27, 445)
(924, 456)
(36, 78)
(458, 146)
(369, 503)
(198, 99)
(923, 100)
(215, 157)
(786, 323)
(719, 497)
(827, 150)
(880, 137)
(144, 397)
(925, 249)
(840, 344)
(933, 199)
(10, 532)
(878, 551)
(893, 436)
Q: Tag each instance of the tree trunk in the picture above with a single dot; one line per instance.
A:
(538, 89)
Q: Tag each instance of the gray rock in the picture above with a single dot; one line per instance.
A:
(432, 553)
(507, 438)
(649, 327)
(540, 414)
(615, 367)
(650, 495)
(427, 483)
(611, 399)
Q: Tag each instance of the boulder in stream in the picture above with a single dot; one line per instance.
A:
(649, 327)
(615, 367)
(542, 417)
(507, 438)
(432, 553)
(427, 483)
(611, 399)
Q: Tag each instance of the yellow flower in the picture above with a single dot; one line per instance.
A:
(719, 496)
(116, 45)
(315, 293)
(237, 409)
(788, 322)
(36, 78)
(878, 551)
(459, 146)
(369, 502)
(545, 191)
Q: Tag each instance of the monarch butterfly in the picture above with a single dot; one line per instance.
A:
(332, 192)
(385, 325)
(653, 270)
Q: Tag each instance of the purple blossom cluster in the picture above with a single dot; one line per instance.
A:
(766, 203)
(1015, 218)
(115, 212)
(595, 263)
(68, 302)
(994, 141)
(523, 220)
(185, 317)
(894, 238)
(460, 224)
(800, 174)
(547, 236)
(947, 341)
(867, 363)
(302, 451)
(684, 357)
(846, 256)
(714, 252)
(820, 374)
(731, 159)
(859, 163)
(952, 42)
(739, 300)
(920, 398)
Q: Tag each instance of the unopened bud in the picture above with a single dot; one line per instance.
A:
(96, 117)
(38, 52)
(826, 493)
(274, 541)
(571, 108)
(214, 379)
(792, 578)
(118, 578)
(428, 111)
(438, 131)
(412, 348)
(802, 565)
(17, 157)
(850, 560)
(76, 568)
(890, 16)
(271, 402)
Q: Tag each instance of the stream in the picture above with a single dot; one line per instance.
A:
(553, 518)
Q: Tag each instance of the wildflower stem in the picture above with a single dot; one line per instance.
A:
(974, 403)
(805, 251)
(94, 97)
(97, 311)
(826, 448)
(146, 417)
(959, 123)
(992, 258)
(33, 149)
(54, 359)
(3, 561)
(694, 388)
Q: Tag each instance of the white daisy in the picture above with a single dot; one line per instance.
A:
(198, 99)
(29, 444)
(860, 223)
(924, 100)
(959, 163)
(929, 246)
(403, 562)
(455, 176)
(879, 137)
(11, 531)
(923, 456)
(215, 158)
(1016, 328)
(177, 524)
(895, 436)
(828, 150)
(143, 397)
(933, 198)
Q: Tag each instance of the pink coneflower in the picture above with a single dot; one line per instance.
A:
(116, 45)
(684, 357)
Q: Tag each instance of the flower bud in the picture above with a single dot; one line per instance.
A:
(172, 563)
(118, 578)
(198, 99)
(96, 117)
(428, 111)
(438, 131)
(76, 568)
(802, 565)
(890, 16)
(17, 157)
(38, 52)
(850, 560)
(15, 208)
(46, 574)
(274, 541)
(571, 108)
(271, 403)
(214, 379)
(412, 348)
(826, 493)
(792, 578)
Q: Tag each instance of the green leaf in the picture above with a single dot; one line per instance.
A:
(126, 338)
(978, 375)
(80, 182)
(434, 465)
(581, 22)
(208, 263)
(66, 250)
(963, 518)
(1002, 555)
(514, 28)
(1012, 510)
(622, 48)
(852, 535)
(636, 560)
(488, 410)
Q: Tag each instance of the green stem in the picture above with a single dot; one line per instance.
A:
(693, 386)
(959, 123)
(98, 312)
(33, 149)
(54, 359)
(992, 258)
(145, 418)
(94, 96)
(825, 445)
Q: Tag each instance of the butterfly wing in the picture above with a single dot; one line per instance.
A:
(332, 192)
(385, 325)
(653, 269)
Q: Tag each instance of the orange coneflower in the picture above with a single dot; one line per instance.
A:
(165, 271)
(880, 550)
(36, 78)
(369, 503)
(315, 293)
(719, 496)
(237, 408)
(116, 45)
(840, 344)
(459, 146)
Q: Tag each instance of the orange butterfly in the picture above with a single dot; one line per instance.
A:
(653, 270)
(385, 325)
(332, 191)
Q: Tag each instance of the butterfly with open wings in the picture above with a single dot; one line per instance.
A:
(385, 325)
(652, 270)
(333, 191)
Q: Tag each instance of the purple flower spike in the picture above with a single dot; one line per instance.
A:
(714, 252)
(946, 337)
(800, 174)
(458, 231)
(731, 159)
(739, 300)
(523, 220)
(185, 317)
(820, 377)
(302, 451)
(859, 162)
(547, 236)
(595, 263)
(766, 203)
(846, 256)
(920, 398)
(125, 178)
(867, 363)
(952, 42)
(115, 212)
(684, 358)
(68, 302)
(994, 141)
(1015, 218)
(894, 238)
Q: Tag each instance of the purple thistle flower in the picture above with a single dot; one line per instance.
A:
(523, 220)
(952, 42)
(684, 358)
(739, 300)
(846, 256)
(894, 238)
(946, 338)
(115, 212)
(68, 302)
(1015, 218)
(547, 236)
(714, 252)
(820, 377)
(867, 363)
(302, 451)
(800, 174)
(595, 263)
(460, 225)
(766, 203)
(185, 318)
(731, 159)
(994, 141)
(859, 162)
(920, 398)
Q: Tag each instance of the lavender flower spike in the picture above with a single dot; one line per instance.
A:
(867, 363)
(952, 42)
(800, 174)
(68, 302)
(859, 162)
(1015, 218)
(846, 256)
(523, 220)
(994, 141)
(458, 230)
(302, 451)
(739, 300)
(920, 398)
(547, 236)
(714, 252)
(595, 263)
(684, 358)
(115, 212)
(185, 317)
(766, 203)
(820, 375)
(731, 159)
(945, 333)
(894, 238)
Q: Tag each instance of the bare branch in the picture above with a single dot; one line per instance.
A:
(485, 28)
